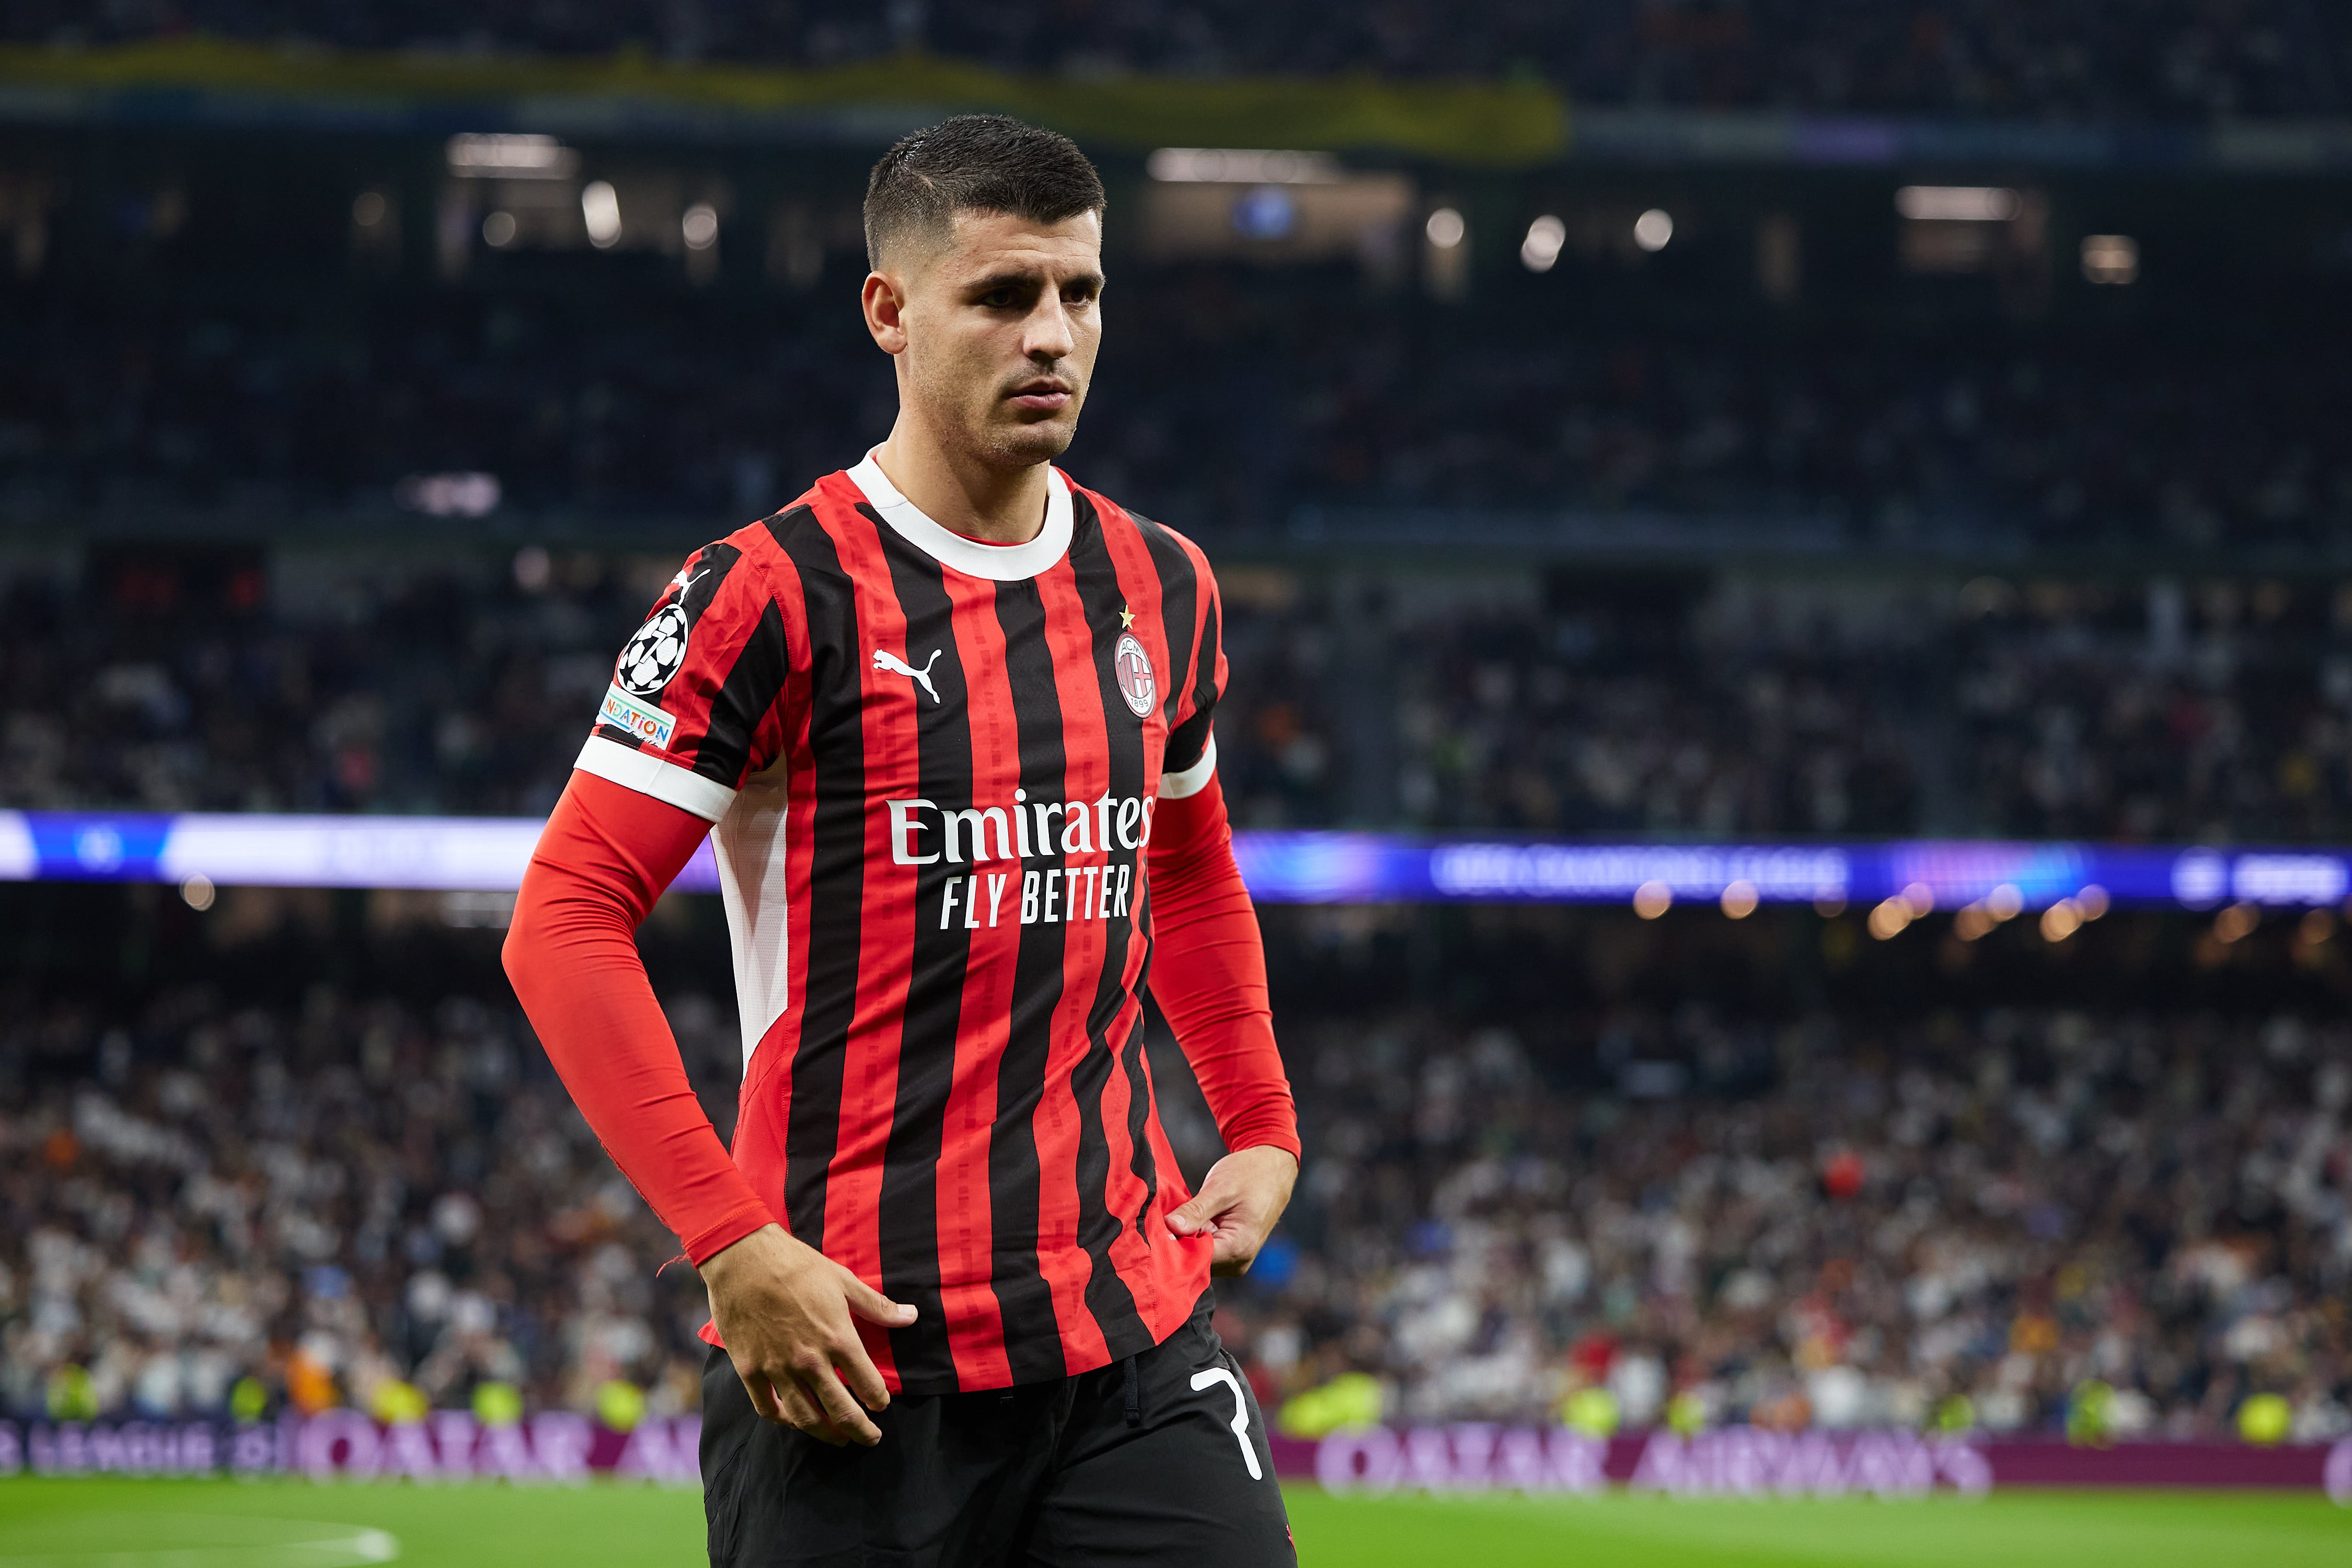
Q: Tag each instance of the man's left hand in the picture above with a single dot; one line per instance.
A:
(1238, 1205)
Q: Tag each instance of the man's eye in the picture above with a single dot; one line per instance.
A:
(997, 299)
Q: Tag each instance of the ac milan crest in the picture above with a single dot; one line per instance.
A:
(1136, 681)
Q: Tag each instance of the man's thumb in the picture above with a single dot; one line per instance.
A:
(875, 1307)
(1191, 1218)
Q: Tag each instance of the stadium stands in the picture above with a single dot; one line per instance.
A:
(1791, 1220)
(1789, 530)
(2182, 60)
(342, 1191)
(601, 403)
(1845, 1226)
(364, 692)
(1578, 702)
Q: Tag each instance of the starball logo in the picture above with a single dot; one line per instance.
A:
(923, 833)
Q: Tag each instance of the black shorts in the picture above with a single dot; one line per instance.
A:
(1156, 1462)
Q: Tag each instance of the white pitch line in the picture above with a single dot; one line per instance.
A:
(354, 1546)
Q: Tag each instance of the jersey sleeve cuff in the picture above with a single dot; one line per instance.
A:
(648, 774)
(1173, 786)
(711, 1240)
(1281, 1134)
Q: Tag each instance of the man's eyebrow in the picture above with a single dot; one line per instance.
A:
(1023, 279)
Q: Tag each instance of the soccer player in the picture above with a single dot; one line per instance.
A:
(947, 720)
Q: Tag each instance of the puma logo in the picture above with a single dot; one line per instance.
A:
(883, 660)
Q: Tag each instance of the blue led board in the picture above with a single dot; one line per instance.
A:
(457, 854)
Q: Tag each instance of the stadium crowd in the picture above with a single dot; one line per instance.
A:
(1817, 1222)
(580, 404)
(370, 690)
(331, 1200)
(2217, 709)
(1958, 1222)
(2111, 1219)
(2175, 60)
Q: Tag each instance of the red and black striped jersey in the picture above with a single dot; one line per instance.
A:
(932, 764)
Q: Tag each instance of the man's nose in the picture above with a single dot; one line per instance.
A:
(1049, 337)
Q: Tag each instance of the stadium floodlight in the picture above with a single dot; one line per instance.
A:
(1242, 166)
(699, 226)
(1546, 237)
(2110, 258)
(534, 569)
(476, 155)
(2239, 921)
(600, 209)
(1446, 228)
(448, 495)
(1957, 203)
(2061, 920)
(1653, 228)
(1266, 212)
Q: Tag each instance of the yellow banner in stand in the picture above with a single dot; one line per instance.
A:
(1501, 123)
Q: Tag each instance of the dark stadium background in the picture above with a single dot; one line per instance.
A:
(1628, 423)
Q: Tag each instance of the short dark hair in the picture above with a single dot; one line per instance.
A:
(976, 162)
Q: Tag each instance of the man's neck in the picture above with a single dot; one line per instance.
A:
(995, 506)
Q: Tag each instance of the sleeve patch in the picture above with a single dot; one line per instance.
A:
(654, 655)
(648, 724)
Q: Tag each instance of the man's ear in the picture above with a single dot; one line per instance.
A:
(884, 299)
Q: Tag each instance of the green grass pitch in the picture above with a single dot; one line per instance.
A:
(113, 1523)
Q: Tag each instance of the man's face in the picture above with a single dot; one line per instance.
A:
(999, 330)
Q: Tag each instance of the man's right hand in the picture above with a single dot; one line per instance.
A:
(783, 1310)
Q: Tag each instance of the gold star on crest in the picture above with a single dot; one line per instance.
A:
(1126, 618)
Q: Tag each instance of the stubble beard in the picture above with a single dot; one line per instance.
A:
(1016, 446)
(993, 436)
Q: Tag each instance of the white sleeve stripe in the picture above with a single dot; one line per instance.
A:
(648, 774)
(1177, 785)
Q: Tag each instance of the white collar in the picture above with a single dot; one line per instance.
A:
(1000, 562)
